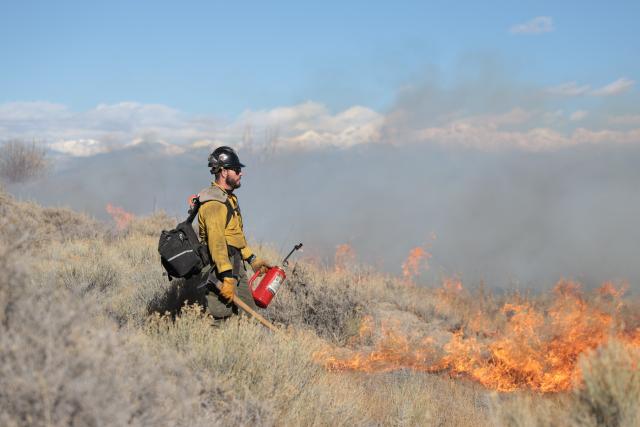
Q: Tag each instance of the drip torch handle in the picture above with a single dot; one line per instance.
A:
(295, 248)
(237, 301)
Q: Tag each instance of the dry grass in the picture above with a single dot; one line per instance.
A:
(276, 369)
(92, 333)
(610, 392)
(607, 395)
(39, 226)
(331, 305)
(63, 363)
(279, 369)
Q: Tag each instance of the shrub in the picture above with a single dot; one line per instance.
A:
(607, 395)
(78, 344)
(276, 369)
(123, 276)
(21, 160)
(330, 305)
(152, 225)
(63, 363)
(28, 221)
(66, 224)
(611, 386)
(405, 398)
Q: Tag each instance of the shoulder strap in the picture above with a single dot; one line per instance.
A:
(207, 195)
(227, 203)
(193, 210)
(212, 193)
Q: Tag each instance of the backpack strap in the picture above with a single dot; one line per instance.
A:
(193, 210)
(211, 194)
(230, 211)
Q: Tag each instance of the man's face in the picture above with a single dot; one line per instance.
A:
(233, 178)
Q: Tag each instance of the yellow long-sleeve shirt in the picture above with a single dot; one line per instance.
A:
(214, 230)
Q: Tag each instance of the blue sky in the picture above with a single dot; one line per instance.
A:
(519, 122)
(88, 77)
(225, 57)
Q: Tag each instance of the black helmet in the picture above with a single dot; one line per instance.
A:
(224, 157)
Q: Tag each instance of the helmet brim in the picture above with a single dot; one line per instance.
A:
(233, 165)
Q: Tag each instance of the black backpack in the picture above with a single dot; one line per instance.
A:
(181, 252)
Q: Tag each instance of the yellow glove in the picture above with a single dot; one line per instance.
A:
(228, 288)
(260, 264)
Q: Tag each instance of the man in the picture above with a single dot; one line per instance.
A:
(220, 227)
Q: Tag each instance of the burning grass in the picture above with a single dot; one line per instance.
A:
(92, 333)
(514, 344)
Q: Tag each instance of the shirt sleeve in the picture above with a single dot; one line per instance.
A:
(246, 252)
(213, 217)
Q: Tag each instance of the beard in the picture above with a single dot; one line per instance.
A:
(233, 183)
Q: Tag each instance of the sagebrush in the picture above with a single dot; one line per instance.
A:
(92, 333)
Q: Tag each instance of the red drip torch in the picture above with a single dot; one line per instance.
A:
(270, 283)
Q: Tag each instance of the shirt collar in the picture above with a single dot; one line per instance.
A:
(213, 183)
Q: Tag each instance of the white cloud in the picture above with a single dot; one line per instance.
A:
(604, 136)
(528, 130)
(80, 147)
(114, 126)
(535, 139)
(569, 89)
(627, 119)
(516, 116)
(485, 138)
(617, 87)
(578, 115)
(538, 25)
(306, 126)
(100, 129)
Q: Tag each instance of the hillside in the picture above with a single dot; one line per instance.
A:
(92, 333)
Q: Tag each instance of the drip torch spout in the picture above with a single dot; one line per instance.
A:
(285, 261)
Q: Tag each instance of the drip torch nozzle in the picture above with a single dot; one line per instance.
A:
(295, 248)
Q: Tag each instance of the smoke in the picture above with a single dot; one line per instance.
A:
(503, 217)
(516, 189)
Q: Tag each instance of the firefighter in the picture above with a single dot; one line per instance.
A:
(220, 227)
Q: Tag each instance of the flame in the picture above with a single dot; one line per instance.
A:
(121, 217)
(344, 257)
(416, 262)
(450, 286)
(521, 344)
(608, 289)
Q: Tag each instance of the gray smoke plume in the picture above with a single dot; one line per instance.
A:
(519, 185)
(503, 217)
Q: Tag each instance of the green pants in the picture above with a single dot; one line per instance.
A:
(217, 305)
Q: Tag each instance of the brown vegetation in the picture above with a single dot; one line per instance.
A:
(92, 333)
(21, 160)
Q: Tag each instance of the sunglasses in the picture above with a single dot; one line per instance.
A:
(236, 170)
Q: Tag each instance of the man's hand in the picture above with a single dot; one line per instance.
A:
(260, 264)
(228, 288)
